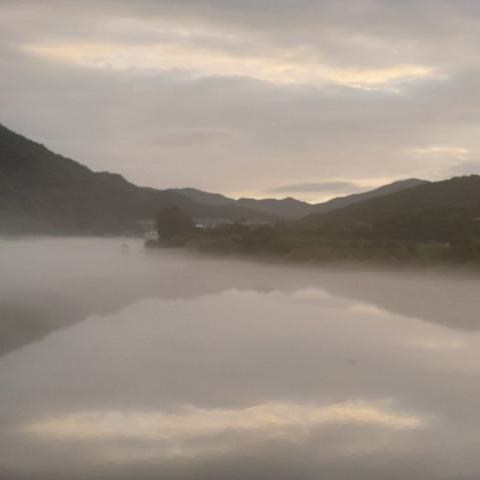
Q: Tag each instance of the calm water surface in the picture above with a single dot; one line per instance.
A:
(121, 364)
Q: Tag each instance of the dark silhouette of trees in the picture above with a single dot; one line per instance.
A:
(171, 222)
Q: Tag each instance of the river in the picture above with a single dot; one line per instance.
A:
(118, 363)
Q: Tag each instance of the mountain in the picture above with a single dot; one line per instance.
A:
(287, 208)
(394, 187)
(43, 192)
(439, 211)
(205, 198)
(290, 208)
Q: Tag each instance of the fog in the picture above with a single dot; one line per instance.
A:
(118, 363)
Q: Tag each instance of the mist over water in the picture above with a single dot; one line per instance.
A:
(117, 363)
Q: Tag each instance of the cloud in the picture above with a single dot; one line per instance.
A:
(242, 96)
(284, 68)
(184, 433)
(471, 167)
(435, 345)
(439, 151)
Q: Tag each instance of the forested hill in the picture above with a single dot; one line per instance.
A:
(43, 192)
(439, 211)
(380, 192)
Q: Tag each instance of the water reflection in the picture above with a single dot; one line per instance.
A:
(50, 283)
(174, 367)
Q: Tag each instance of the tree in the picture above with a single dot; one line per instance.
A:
(171, 222)
(464, 249)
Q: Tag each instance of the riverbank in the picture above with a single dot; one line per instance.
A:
(364, 253)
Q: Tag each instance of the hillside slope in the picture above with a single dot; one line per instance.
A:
(383, 191)
(288, 208)
(205, 198)
(43, 192)
(439, 211)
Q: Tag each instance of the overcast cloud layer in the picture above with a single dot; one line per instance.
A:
(248, 97)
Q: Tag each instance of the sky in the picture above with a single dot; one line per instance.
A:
(264, 98)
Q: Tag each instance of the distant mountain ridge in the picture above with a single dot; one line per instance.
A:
(287, 208)
(293, 209)
(206, 198)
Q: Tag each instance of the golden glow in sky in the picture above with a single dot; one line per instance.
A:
(285, 68)
(269, 418)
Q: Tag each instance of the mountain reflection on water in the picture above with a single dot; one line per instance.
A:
(167, 365)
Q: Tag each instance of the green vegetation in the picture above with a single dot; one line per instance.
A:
(429, 224)
(171, 223)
